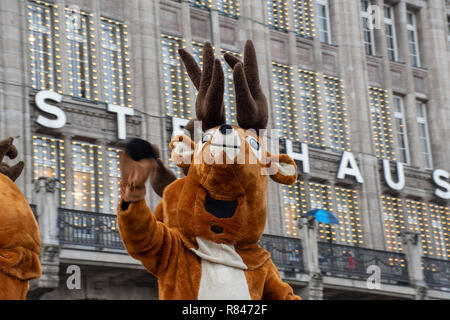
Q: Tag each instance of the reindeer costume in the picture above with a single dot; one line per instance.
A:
(20, 241)
(204, 245)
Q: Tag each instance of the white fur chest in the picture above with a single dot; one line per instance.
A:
(223, 276)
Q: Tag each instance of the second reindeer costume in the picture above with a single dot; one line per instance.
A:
(206, 248)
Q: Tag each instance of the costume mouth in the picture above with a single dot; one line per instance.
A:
(219, 208)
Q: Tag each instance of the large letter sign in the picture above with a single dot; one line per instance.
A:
(60, 120)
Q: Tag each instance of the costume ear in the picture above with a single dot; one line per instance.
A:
(284, 169)
(182, 151)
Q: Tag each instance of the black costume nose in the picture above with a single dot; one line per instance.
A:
(225, 129)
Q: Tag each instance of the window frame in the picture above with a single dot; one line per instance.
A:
(423, 120)
(413, 28)
(365, 16)
(401, 116)
(391, 22)
(326, 5)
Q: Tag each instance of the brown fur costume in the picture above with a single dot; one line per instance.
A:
(213, 218)
(20, 242)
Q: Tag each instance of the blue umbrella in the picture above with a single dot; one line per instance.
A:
(322, 216)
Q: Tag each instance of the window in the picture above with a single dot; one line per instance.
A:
(424, 137)
(48, 161)
(116, 62)
(349, 230)
(394, 222)
(294, 199)
(337, 115)
(175, 79)
(391, 41)
(303, 18)
(400, 130)
(285, 104)
(413, 39)
(432, 222)
(381, 123)
(85, 158)
(323, 19)
(277, 14)
(310, 108)
(345, 207)
(80, 45)
(369, 39)
(112, 196)
(44, 41)
(228, 7)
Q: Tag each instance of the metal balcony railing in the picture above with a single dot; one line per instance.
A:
(436, 273)
(286, 253)
(101, 231)
(89, 229)
(353, 262)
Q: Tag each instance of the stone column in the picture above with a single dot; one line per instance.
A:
(308, 234)
(46, 194)
(413, 251)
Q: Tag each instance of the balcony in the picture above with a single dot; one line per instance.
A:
(78, 229)
(353, 262)
(436, 273)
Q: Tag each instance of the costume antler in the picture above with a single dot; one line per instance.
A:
(8, 149)
(210, 84)
(251, 103)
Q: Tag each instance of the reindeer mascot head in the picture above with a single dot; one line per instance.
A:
(213, 218)
(20, 242)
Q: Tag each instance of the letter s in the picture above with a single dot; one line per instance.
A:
(438, 174)
(60, 120)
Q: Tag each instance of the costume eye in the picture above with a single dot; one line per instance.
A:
(255, 147)
(254, 144)
(206, 137)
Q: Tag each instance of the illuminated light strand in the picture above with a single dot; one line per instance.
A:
(82, 58)
(277, 14)
(116, 62)
(338, 128)
(394, 222)
(48, 161)
(310, 105)
(304, 19)
(286, 118)
(381, 123)
(349, 231)
(44, 46)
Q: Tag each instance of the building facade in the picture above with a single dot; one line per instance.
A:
(359, 92)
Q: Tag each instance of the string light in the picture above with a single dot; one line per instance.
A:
(304, 19)
(277, 14)
(81, 55)
(44, 40)
(286, 118)
(113, 169)
(294, 199)
(310, 106)
(381, 123)
(338, 129)
(116, 62)
(48, 161)
(394, 222)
